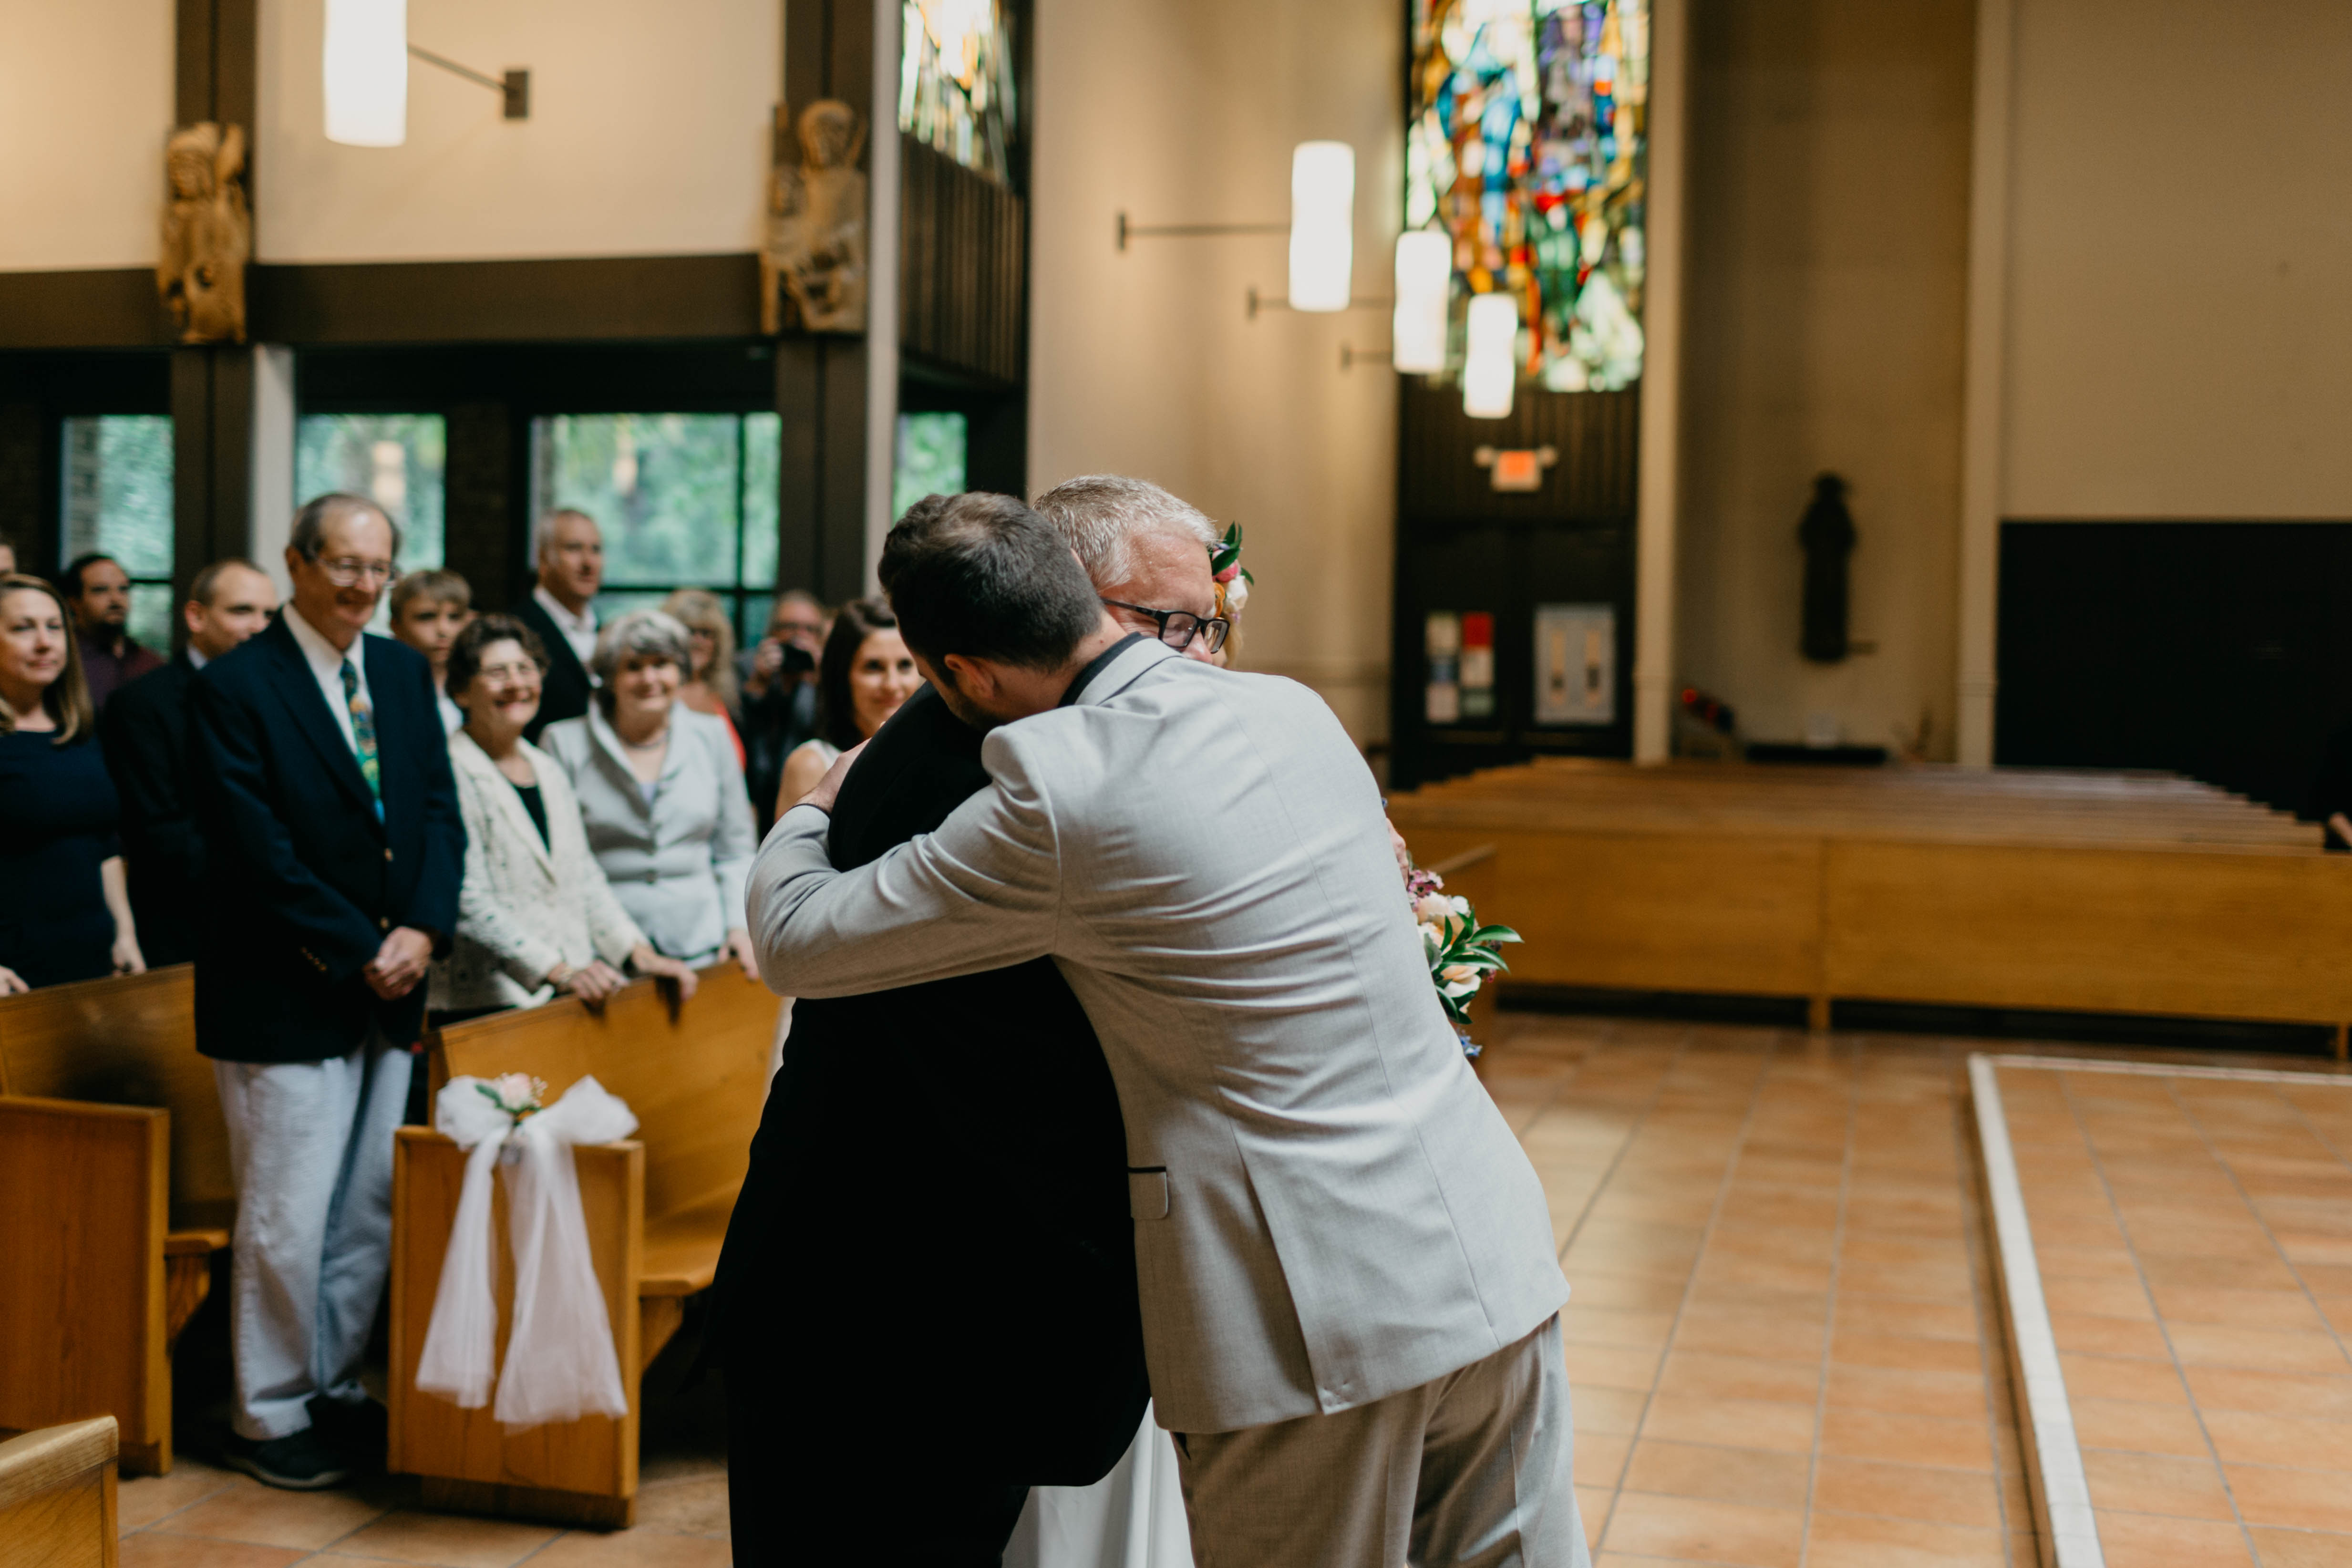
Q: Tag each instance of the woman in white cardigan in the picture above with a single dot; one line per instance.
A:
(535, 916)
(661, 791)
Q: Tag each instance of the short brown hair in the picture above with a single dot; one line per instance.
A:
(984, 576)
(436, 583)
(208, 582)
(465, 653)
(67, 698)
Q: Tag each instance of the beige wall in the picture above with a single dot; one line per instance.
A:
(647, 135)
(2178, 339)
(1143, 363)
(1828, 225)
(85, 107)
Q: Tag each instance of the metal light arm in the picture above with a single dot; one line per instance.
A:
(515, 86)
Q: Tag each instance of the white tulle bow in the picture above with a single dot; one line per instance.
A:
(560, 1363)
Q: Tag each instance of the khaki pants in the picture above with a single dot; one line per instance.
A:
(1470, 1470)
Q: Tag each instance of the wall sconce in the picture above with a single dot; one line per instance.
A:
(1490, 372)
(1425, 288)
(365, 67)
(1322, 225)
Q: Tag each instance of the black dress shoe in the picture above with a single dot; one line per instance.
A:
(297, 1462)
(358, 1430)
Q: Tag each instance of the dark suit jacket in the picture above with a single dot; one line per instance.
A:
(936, 1216)
(301, 880)
(564, 694)
(144, 732)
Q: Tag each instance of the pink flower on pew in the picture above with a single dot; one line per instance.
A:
(517, 1094)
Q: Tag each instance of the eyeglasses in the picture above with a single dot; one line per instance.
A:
(347, 572)
(525, 671)
(1179, 627)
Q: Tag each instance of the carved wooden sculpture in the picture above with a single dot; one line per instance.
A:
(816, 225)
(208, 234)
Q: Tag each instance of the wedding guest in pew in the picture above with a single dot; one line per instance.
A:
(865, 673)
(65, 910)
(709, 683)
(429, 608)
(778, 679)
(144, 732)
(98, 589)
(333, 850)
(662, 794)
(568, 549)
(535, 916)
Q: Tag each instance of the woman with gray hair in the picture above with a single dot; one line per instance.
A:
(661, 794)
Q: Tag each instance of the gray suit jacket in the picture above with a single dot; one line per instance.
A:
(677, 863)
(1328, 1209)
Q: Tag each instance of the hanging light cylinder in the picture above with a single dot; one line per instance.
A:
(366, 64)
(1424, 287)
(1490, 369)
(1322, 225)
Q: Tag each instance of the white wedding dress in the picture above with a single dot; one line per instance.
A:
(1132, 1518)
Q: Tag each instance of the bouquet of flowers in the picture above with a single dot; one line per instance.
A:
(517, 1094)
(1232, 579)
(1461, 951)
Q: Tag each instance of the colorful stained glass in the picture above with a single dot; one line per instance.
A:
(955, 81)
(1528, 146)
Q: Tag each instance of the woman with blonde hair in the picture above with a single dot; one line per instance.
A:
(65, 906)
(710, 684)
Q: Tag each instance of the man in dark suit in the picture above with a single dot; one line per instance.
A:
(145, 733)
(333, 852)
(939, 1162)
(569, 549)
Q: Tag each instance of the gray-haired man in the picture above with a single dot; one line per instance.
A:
(1349, 1291)
(568, 549)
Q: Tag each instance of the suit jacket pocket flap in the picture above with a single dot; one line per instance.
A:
(1146, 1194)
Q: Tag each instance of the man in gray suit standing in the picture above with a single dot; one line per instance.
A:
(1348, 1287)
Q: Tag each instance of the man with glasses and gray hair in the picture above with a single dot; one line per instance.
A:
(333, 852)
(1147, 554)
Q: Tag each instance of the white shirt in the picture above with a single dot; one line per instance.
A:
(579, 630)
(197, 658)
(453, 718)
(327, 663)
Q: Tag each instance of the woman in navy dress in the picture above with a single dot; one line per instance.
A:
(64, 911)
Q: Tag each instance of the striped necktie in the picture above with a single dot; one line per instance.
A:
(364, 735)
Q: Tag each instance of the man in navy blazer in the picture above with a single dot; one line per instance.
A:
(333, 853)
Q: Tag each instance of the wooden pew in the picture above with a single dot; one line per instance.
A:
(657, 1207)
(114, 1160)
(57, 1497)
(2024, 887)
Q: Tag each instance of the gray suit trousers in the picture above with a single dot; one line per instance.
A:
(1469, 1470)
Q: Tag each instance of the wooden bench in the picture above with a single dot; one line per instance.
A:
(657, 1207)
(57, 1497)
(2023, 888)
(114, 1163)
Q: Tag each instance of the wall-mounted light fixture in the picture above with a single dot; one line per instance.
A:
(366, 68)
(1322, 225)
(1425, 288)
(1490, 369)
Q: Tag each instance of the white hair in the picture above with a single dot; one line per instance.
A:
(542, 532)
(1100, 514)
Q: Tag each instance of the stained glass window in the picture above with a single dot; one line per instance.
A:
(955, 81)
(1528, 144)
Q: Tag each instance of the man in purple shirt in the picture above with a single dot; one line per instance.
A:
(99, 589)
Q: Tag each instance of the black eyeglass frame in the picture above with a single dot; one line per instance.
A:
(1216, 628)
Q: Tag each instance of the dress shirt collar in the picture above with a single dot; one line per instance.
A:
(197, 658)
(583, 625)
(324, 658)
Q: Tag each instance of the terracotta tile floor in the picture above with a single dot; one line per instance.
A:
(1783, 1336)
(2195, 1241)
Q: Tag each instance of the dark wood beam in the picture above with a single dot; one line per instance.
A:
(582, 299)
(96, 307)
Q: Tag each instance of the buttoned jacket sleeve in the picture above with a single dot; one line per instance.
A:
(983, 891)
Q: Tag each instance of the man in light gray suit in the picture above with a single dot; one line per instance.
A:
(1348, 1287)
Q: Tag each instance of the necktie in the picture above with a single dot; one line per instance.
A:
(363, 736)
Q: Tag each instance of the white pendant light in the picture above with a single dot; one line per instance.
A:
(1322, 225)
(1424, 287)
(366, 72)
(1490, 371)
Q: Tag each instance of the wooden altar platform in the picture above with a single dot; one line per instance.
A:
(2022, 887)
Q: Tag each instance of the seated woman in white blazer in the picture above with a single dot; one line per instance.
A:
(661, 791)
(535, 916)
